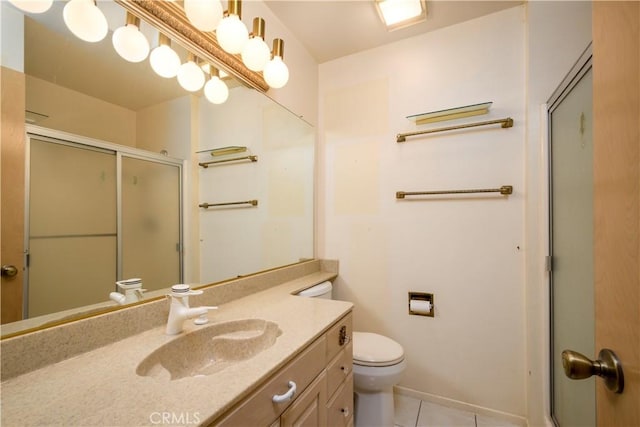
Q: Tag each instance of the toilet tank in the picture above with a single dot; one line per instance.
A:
(322, 290)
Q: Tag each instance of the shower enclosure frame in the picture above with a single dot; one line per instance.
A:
(119, 152)
(581, 67)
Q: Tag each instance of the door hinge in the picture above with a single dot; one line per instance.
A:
(548, 263)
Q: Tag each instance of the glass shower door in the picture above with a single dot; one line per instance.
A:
(572, 280)
(151, 222)
(72, 226)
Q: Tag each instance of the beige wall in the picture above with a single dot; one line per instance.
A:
(80, 114)
(468, 252)
(360, 159)
(166, 126)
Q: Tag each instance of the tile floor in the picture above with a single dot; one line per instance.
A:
(412, 412)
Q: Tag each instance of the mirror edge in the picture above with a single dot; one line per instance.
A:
(107, 310)
(171, 19)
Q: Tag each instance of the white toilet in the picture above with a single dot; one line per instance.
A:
(378, 364)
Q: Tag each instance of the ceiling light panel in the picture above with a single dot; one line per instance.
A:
(396, 14)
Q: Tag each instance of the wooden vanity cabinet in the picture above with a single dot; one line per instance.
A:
(339, 373)
(324, 382)
(309, 408)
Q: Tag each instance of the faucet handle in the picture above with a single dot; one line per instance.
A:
(183, 290)
(203, 319)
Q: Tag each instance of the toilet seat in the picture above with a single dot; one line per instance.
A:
(371, 349)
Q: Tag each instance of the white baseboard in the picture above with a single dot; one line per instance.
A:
(456, 404)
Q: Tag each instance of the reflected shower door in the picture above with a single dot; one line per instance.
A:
(151, 215)
(572, 250)
(72, 226)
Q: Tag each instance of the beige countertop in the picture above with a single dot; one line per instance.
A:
(101, 387)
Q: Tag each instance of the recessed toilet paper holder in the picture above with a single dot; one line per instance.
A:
(421, 304)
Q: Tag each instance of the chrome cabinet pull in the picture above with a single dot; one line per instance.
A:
(279, 398)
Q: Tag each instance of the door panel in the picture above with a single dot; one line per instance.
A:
(12, 204)
(616, 101)
(72, 226)
(572, 249)
(151, 223)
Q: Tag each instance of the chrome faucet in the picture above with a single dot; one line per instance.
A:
(180, 311)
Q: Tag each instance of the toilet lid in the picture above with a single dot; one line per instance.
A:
(371, 349)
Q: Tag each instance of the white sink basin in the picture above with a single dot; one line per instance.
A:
(210, 349)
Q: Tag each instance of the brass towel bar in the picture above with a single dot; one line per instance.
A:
(504, 190)
(206, 164)
(506, 123)
(211, 205)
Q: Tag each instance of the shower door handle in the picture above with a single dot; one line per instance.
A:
(578, 366)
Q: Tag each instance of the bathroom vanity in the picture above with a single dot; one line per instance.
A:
(107, 385)
(322, 371)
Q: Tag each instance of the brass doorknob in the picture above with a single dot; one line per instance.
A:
(578, 366)
(9, 270)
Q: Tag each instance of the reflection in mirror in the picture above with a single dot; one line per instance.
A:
(84, 93)
(279, 230)
(96, 216)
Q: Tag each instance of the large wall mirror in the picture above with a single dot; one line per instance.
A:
(174, 187)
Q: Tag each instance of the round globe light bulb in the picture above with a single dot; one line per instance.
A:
(255, 54)
(205, 15)
(190, 76)
(216, 91)
(276, 73)
(85, 20)
(232, 34)
(130, 43)
(32, 6)
(164, 61)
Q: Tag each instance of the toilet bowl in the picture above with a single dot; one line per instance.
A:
(378, 364)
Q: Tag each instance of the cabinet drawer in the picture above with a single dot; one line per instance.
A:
(339, 368)
(340, 408)
(339, 336)
(259, 408)
(309, 409)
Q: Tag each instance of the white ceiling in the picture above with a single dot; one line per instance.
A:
(330, 29)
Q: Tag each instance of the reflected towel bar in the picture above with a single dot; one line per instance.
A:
(211, 205)
(206, 164)
(506, 123)
(504, 190)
